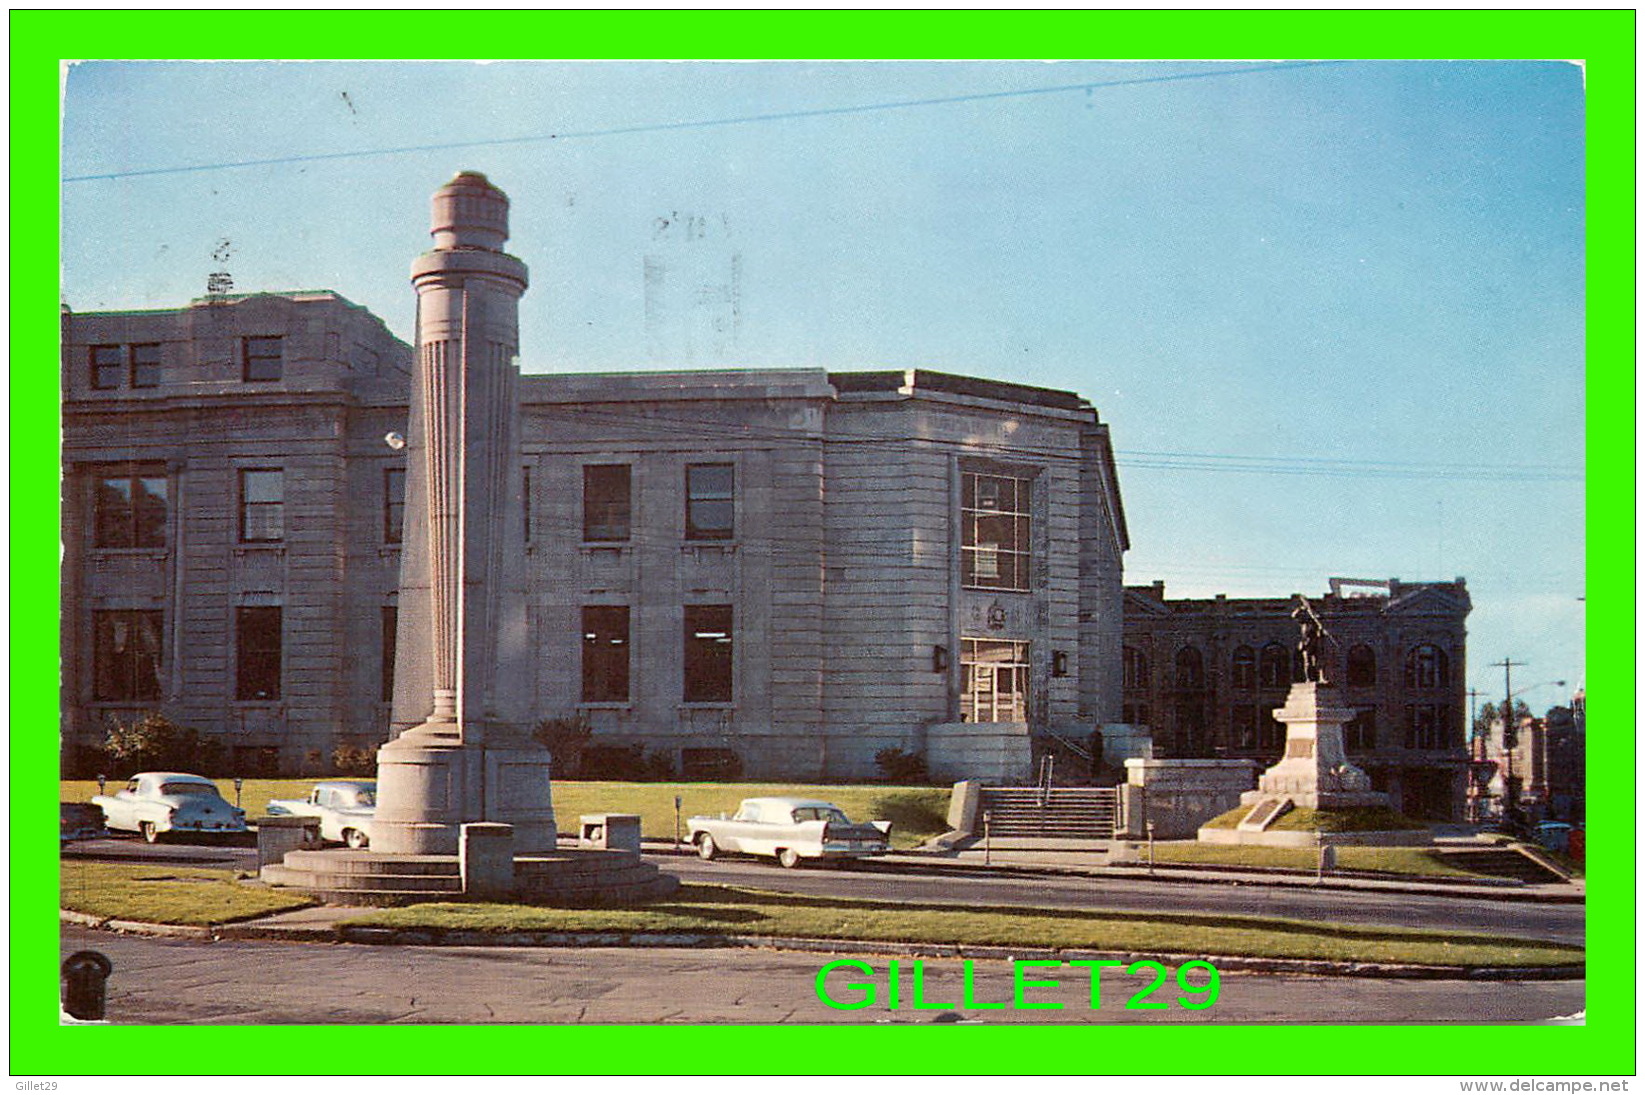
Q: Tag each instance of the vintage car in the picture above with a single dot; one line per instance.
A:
(345, 809)
(792, 830)
(153, 803)
(80, 821)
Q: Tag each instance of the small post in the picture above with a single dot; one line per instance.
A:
(102, 783)
(1150, 827)
(676, 823)
(1327, 861)
(238, 782)
(987, 843)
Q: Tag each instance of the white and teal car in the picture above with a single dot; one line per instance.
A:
(792, 830)
(345, 808)
(157, 803)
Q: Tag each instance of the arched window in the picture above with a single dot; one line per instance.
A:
(1245, 669)
(1273, 671)
(1427, 667)
(1362, 667)
(1190, 668)
(1136, 668)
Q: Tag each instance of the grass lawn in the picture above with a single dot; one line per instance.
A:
(734, 910)
(167, 894)
(1414, 861)
(916, 813)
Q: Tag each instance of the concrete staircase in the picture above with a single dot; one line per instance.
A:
(1503, 861)
(586, 877)
(1051, 813)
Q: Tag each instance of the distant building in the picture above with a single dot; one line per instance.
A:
(778, 573)
(1206, 675)
(1541, 769)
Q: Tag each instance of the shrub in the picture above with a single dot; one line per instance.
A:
(900, 766)
(155, 742)
(351, 760)
(565, 737)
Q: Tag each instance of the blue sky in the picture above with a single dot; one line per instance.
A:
(1333, 313)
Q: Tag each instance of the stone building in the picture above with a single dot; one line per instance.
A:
(778, 573)
(1206, 675)
(1541, 771)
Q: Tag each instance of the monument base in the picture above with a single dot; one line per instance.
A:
(430, 781)
(572, 878)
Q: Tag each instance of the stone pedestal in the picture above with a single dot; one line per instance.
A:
(1314, 772)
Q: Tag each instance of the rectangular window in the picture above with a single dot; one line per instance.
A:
(1244, 726)
(108, 366)
(710, 501)
(995, 681)
(394, 505)
(1425, 726)
(525, 501)
(262, 505)
(391, 626)
(1360, 734)
(262, 358)
(126, 655)
(606, 501)
(707, 653)
(145, 366)
(129, 510)
(994, 531)
(257, 647)
(605, 654)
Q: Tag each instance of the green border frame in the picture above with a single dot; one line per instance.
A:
(1604, 40)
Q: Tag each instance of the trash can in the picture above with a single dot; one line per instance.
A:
(85, 977)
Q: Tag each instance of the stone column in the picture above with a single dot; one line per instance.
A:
(462, 673)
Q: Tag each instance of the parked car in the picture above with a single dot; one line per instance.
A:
(154, 803)
(792, 830)
(81, 821)
(345, 808)
(1554, 835)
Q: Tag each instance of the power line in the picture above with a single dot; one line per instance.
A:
(710, 123)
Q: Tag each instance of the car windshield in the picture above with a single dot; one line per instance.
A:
(821, 813)
(205, 789)
(365, 797)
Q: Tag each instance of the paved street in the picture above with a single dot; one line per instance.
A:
(1557, 923)
(174, 981)
(1530, 920)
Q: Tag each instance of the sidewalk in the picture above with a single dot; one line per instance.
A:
(1064, 861)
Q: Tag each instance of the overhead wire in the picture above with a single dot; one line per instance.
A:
(706, 123)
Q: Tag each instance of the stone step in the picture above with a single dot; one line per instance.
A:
(277, 875)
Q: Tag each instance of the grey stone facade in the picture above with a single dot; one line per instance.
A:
(1207, 674)
(777, 572)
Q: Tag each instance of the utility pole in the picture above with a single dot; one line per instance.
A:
(1510, 796)
(1476, 754)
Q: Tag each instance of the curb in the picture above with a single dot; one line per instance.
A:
(1482, 890)
(461, 937)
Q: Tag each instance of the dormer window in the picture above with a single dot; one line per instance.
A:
(262, 358)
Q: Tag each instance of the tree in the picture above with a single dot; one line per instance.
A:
(1488, 715)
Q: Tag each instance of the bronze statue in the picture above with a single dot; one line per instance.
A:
(1311, 643)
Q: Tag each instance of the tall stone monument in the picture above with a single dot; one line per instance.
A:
(463, 753)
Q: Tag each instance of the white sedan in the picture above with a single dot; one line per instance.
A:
(152, 803)
(791, 829)
(345, 808)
